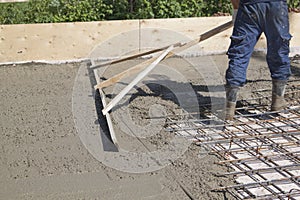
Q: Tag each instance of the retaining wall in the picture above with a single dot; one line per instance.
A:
(74, 41)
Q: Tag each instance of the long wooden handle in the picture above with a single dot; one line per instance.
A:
(178, 47)
(202, 37)
(216, 30)
(137, 79)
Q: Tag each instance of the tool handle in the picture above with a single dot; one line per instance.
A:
(179, 48)
(202, 37)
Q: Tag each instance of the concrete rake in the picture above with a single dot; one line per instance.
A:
(142, 70)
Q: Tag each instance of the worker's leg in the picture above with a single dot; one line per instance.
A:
(278, 90)
(231, 98)
(245, 35)
(278, 38)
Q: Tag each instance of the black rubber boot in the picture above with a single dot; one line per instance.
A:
(231, 98)
(278, 90)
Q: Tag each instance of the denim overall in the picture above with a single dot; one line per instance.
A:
(255, 17)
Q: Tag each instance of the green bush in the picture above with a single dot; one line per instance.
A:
(11, 13)
(294, 4)
(46, 11)
(217, 6)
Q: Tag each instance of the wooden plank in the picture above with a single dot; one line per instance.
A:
(144, 73)
(180, 47)
(74, 41)
(64, 41)
(125, 58)
(125, 73)
(109, 121)
(202, 37)
(108, 117)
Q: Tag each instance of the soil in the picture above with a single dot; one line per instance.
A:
(42, 156)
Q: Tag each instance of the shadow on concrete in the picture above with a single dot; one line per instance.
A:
(106, 139)
(203, 103)
(261, 56)
(295, 69)
(108, 145)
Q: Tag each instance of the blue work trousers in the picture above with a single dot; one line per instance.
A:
(270, 18)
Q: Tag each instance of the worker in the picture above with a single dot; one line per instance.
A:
(251, 18)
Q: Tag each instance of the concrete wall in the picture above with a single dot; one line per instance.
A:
(72, 41)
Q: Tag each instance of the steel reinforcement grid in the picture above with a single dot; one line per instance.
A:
(260, 147)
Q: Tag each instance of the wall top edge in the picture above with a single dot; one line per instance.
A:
(213, 18)
(124, 21)
(292, 14)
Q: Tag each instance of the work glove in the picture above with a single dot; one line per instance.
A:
(234, 13)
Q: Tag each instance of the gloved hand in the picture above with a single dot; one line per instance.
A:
(234, 13)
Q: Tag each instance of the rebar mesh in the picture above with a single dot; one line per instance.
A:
(261, 147)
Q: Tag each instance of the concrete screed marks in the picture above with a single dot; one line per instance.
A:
(43, 157)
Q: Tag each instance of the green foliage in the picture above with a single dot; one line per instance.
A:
(46, 11)
(193, 8)
(141, 9)
(11, 13)
(167, 8)
(214, 6)
(294, 4)
(119, 9)
(77, 10)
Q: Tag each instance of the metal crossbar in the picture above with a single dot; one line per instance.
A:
(262, 147)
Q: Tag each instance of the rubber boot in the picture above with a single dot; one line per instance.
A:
(278, 90)
(231, 98)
